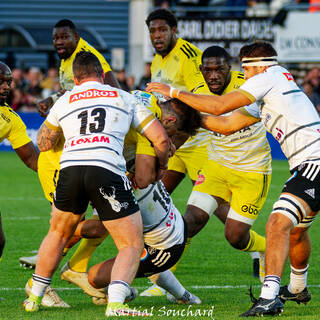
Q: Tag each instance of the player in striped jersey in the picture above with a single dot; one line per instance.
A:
(291, 118)
(237, 175)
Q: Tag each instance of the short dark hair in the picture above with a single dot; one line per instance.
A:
(86, 64)
(216, 51)
(188, 119)
(162, 14)
(257, 49)
(65, 23)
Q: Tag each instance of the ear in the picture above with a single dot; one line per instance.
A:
(76, 81)
(201, 68)
(174, 29)
(169, 121)
(103, 75)
(76, 35)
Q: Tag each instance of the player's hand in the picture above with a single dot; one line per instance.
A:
(44, 106)
(172, 148)
(161, 88)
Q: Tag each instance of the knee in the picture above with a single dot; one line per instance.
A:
(92, 277)
(195, 219)
(235, 238)
(279, 224)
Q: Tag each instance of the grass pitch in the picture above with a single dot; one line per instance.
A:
(211, 269)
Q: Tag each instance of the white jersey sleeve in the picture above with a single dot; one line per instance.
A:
(253, 109)
(142, 116)
(257, 86)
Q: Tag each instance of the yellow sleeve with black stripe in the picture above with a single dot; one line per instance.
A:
(12, 128)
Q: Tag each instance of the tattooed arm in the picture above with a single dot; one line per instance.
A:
(47, 137)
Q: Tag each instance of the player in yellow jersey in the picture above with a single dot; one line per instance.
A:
(238, 171)
(176, 63)
(67, 43)
(13, 129)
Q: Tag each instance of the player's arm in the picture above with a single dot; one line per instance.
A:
(227, 125)
(145, 170)
(48, 135)
(215, 105)
(29, 154)
(161, 144)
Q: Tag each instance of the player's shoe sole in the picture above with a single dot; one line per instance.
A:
(80, 279)
(28, 262)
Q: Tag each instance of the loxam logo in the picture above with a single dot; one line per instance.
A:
(251, 209)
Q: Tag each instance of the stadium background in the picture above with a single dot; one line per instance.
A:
(118, 30)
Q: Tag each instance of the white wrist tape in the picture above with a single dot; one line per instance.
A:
(172, 90)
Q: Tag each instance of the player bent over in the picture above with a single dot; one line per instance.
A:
(94, 119)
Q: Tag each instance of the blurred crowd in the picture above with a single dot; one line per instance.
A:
(33, 85)
(250, 7)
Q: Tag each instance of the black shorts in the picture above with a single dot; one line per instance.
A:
(110, 194)
(305, 184)
(154, 260)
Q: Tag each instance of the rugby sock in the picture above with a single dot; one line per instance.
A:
(298, 279)
(80, 259)
(256, 243)
(168, 281)
(254, 255)
(39, 285)
(174, 268)
(270, 288)
(117, 291)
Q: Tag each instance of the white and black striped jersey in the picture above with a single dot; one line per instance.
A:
(95, 118)
(286, 112)
(163, 225)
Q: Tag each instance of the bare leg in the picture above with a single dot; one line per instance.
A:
(127, 235)
(62, 226)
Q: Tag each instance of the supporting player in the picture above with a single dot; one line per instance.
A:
(176, 62)
(237, 174)
(14, 130)
(93, 169)
(291, 118)
(163, 227)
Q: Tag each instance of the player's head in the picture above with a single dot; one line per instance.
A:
(257, 57)
(177, 117)
(86, 66)
(65, 38)
(162, 25)
(215, 68)
(5, 82)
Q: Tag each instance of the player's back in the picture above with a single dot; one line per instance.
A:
(95, 119)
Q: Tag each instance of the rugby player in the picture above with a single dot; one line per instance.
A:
(164, 231)
(291, 118)
(176, 62)
(13, 129)
(94, 119)
(237, 174)
(67, 43)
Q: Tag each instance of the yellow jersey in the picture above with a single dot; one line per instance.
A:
(179, 68)
(65, 71)
(48, 163)
(12, 128)
(245, 150)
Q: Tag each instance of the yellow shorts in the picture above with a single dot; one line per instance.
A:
(246, 191)
(48, 172)
(189, 160)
